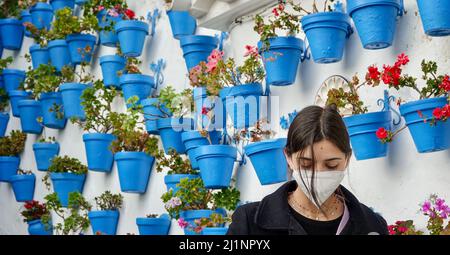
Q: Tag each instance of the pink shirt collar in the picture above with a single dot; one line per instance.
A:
(344, 220)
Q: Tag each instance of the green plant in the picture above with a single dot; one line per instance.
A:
(64, 164)
(69, 74)
(179, 104)
(344, 99)
(66, 23)
(4, 62)
(130, 133)
(4, 100)
(214, 221)
(74, 219)
(218, 73)
(131, 67)
(40, 36)
(192, 195)
(43, 79)
(97, 101)
(12, 145)
(174, 162)
(109, 201)
(45, 139)
(95, 6)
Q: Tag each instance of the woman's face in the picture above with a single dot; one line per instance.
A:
(327, 156)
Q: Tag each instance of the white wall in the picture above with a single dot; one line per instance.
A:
(394, 185)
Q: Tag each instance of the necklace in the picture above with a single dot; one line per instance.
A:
(315, 214)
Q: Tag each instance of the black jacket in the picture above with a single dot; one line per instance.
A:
(272, 216)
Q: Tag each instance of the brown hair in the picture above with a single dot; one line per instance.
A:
(312, 125)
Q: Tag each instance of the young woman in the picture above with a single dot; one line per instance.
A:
(314, 203)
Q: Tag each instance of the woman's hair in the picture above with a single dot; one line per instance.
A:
(314, 124)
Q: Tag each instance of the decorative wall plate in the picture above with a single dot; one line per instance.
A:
(333, 82)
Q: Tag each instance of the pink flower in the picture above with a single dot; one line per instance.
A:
(113, 13)
(100, 8)
(251, 51)
(211, 66)
(215, 55)
(426, 207)
(182, 223)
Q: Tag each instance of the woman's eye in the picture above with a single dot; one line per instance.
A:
(306, 166)
(332, 167)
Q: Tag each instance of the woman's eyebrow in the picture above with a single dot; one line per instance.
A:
(331, 159)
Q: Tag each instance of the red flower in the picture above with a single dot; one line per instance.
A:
(205, 110)
(130, 13)
(391, 75)
(402, 59)
(281, 7)
(438, 113)
(275, 12)
(445, 85)
(382, 133)
(446, 111)
(373, 73)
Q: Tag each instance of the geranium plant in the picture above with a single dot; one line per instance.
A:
(130, 133)
(178, 104)
(97, 101)
(114, 8)
(43, 79)
(109, 201)
(12, 145)
(64, 164)
(214, 221)
(218, 73)
(33, 210)
(5, 62)
(192, 195)
(74, 219)
(436, 86)
(66, 23)
(174, 162)
(259, 132)
(4, 101)
(438, 213)
(82, 75)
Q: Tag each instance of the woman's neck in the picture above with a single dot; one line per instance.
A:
(333, 206)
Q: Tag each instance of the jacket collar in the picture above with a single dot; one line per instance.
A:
(273, 212)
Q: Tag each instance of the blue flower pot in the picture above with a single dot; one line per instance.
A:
(81, 47)
(216, 163)
(170, 130)
(242, 103)
(191, 215)
(139, 85)
(42, 15)
(375, 21)
(131, 35)
(65, 183)
(98, 152)
(327, 33)
(23, 186)
(15, 97)
(12, 32)
(71, 96)
(362, 130)
(61, 4)
(4, 119)
(104, 222)
(108, 38)
(80, 2)
(427, 138)
(172, 180)
(197, 48)
(153, 113)
(154, 226)
(281, 59)
(12, 78)
(111, 65)
(434, 15)
(48, 102)
(36, 227)
(268, 160)
(39, 55)
(59, 54)
(201, 99)
(8, 167)
(193, 139)
(134, 171)
(30, 111)
(215, 231)
(44, 153)
(2, 84)
(182, 23)
(25, 16)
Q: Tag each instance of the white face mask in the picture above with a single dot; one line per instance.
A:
(325, 183)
